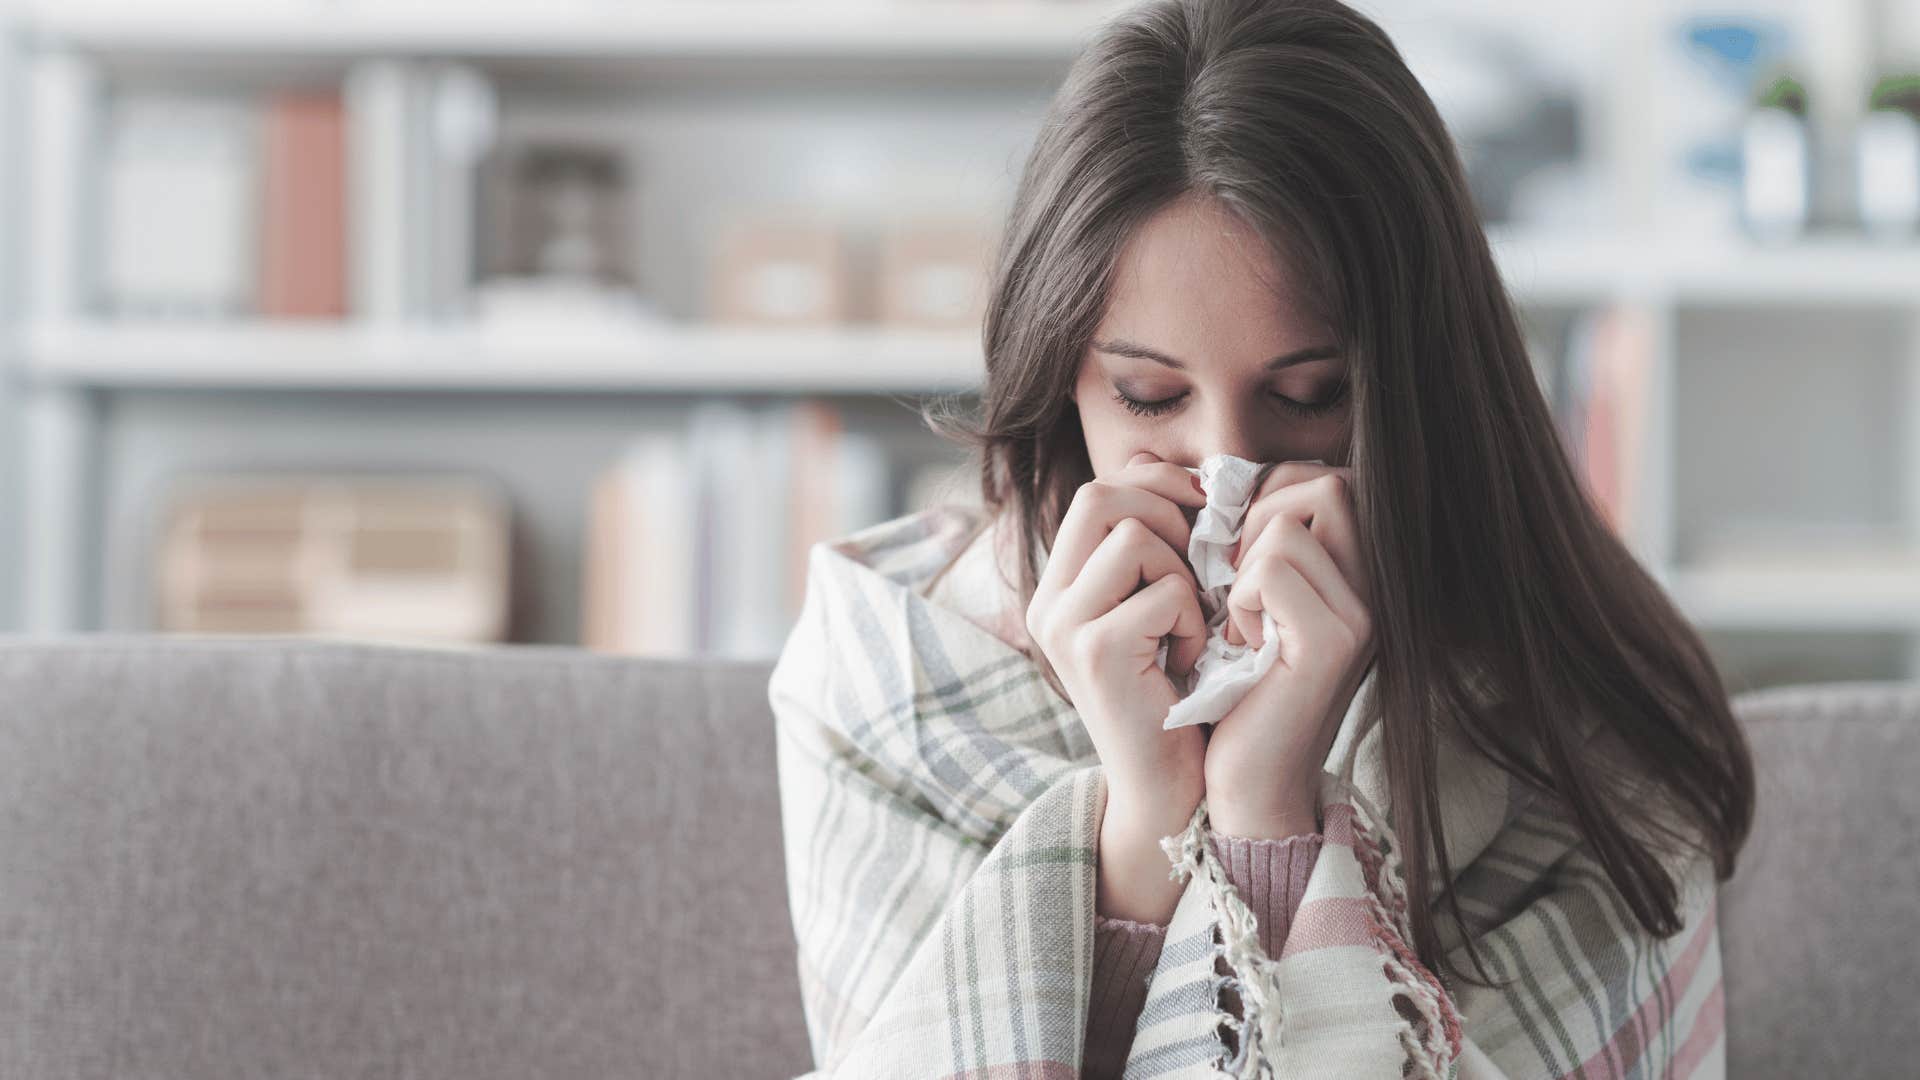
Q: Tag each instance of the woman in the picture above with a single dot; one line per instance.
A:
(1469, 823)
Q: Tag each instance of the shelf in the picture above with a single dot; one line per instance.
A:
(876, 29)
(1877, 598)
(1572, 268)
(1539, 268)
(717, 359)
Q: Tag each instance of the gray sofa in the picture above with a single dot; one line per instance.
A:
(305, 858)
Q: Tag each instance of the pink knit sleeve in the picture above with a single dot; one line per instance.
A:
(1124, 954)
(1270, 875)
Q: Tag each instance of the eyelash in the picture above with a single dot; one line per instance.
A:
(1302, 409)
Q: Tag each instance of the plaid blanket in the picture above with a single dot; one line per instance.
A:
(941, 807)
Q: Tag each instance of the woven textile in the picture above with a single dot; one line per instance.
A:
(941, 809)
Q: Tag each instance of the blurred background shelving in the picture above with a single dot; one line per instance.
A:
(537, 221)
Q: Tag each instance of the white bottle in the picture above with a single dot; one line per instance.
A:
(1889, 174)
(1774, 180)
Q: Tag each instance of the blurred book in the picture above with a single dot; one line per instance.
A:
(636, 594)
(227, 206)
(303, 220)
(385, 557)
(1609, 363)
(697, 541)
(461, 123)
(383, 110)
(178, 182)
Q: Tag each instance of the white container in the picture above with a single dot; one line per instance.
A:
(1702, 67)
(1889, 174)
(1774, 182)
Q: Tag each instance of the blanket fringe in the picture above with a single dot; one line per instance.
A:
(1437, 1044)
(1254, 978)
(1430, 1051)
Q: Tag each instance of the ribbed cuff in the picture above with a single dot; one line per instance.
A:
(1270, 876)
(1124, 955)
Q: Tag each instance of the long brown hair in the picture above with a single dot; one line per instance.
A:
(1487, 557)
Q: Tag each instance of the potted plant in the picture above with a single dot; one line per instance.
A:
(1776, 164)
(1889, 158)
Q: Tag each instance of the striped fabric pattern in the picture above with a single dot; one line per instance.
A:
(941, 809)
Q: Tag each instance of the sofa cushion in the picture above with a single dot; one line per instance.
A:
(1817, 925)
(292, 857)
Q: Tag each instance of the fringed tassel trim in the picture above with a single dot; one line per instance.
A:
(1254, 978)
(1430, 1049)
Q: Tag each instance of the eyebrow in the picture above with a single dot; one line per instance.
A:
(1123, 347)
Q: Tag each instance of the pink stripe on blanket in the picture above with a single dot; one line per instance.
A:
(1331, 922)
(1327, 923)
(1626, 1042)
(1336, 823)
(1708, 1023)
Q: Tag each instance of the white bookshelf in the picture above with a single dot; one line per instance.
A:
(1813, 597)
(72, 365)
(1541, 269)
(260, 355)
(1567, 268)
(681, 30)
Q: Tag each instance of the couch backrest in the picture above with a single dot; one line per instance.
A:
(1817, 927)
(300, 857)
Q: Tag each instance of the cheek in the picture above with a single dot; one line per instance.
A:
(1109, 444)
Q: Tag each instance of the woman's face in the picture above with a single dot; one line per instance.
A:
(1206, 333)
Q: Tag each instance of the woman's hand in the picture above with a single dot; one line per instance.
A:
(1114, 585)
(1299, 560)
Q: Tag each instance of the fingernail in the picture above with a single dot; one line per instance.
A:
(1197, 486)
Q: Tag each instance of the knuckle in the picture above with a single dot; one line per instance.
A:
(1090, 647)
(1289, 472)
(1129, 531)
(1084, 499)
(1038, 631)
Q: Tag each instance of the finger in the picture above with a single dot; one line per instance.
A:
(1277, 587)
(1131, 554)
(1143, 619)
(1185, 652)
(1286, 537)
(1164, 478)
(1096, 508)
(1284, 474)
(1324, 503)
(1288, 473)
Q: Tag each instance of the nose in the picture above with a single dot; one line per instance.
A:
(1238, 442)
(1238, 424)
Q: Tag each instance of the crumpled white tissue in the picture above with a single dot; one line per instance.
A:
(1224, 673)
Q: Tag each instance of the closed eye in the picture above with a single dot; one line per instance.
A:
(1303, 409)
